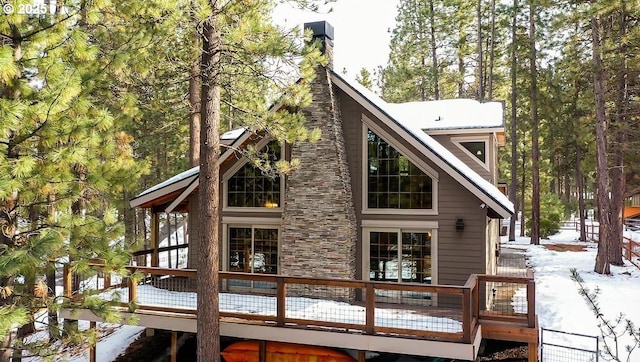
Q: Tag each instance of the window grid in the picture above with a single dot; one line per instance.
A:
(253, 250)
(249, 187)
(394, 182)
(414, 263)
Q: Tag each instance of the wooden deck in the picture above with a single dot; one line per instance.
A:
(431, 320)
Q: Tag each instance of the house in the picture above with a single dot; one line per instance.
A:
(398, 193)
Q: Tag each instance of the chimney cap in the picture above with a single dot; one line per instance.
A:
(321, 29)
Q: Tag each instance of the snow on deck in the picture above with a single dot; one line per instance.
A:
(296, 308)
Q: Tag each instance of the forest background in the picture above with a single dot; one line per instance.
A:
(102, 99)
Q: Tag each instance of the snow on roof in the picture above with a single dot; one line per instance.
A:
(177, 178)
(449, 114)
(411, 123)
(233, 134)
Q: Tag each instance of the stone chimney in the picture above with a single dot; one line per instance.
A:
(319, 229)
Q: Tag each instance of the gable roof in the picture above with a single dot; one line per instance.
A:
(410, 120)
(409, 126)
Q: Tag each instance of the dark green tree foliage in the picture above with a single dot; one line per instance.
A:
(63, 158)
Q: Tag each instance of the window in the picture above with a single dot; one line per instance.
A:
(249, 187)
(477, 149)
(393, 181)
(400, 256)
(253, 250)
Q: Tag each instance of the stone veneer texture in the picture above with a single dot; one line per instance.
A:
(319, 232)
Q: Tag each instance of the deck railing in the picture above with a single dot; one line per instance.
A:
(438, 312)
(631, 251)
(630, 247)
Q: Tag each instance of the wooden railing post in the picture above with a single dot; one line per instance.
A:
(155, 238)
(370, 300)
(466, 315)
(107, 279)
(67, 279)
(133, 289)
(531, 300)
(281, 292)
(92, 347)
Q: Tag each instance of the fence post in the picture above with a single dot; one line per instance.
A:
(281, 292)
(531, 301)
(67, 280)
(370, 300)
(133, 290)
(466, 315)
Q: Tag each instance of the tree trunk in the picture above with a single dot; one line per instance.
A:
(602, 265)
(434, 54)
(523, 205)
(513, 195)
(195, 84)
(581, 206)
(480, 62)
(208, 314)
(618, 180)
(492, 46)
(535, 151)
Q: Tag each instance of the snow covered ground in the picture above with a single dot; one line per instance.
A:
(558, 303)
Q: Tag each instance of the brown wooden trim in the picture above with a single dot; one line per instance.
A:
(337, 325)
(466, 315)
(370, 300)
(442, 336)
(174, 346)
(92, 346)
(247, 316)
(155, 238)
(281, 302)
(160, 250)
(499, 326)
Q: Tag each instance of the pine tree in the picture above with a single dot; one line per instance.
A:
(236, 67)
(63, 157)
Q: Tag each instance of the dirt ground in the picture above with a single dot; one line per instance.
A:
(565, 247)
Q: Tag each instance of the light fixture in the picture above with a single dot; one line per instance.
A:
(459, 225)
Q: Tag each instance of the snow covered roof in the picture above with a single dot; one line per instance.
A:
(233, 134)
(449, 114)
(411, 124)
(411, 118)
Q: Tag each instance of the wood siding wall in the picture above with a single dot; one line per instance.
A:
(459, 253)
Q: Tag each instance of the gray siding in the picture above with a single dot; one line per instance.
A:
(459, 253)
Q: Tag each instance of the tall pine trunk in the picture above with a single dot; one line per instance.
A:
(195, 84)
(208, 324)
(480, 55)
(513, 195)
(535, 150)
(492, 49)
(434, 54)
(602, 265)
(618, 181)
(581, 204)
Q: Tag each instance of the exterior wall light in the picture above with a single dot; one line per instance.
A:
(459, 225)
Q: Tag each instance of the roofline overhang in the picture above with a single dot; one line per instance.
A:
(450, 131)
(501, 210)
(155, 194)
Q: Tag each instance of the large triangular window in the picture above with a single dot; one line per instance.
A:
(250, 187)
(393, 181)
